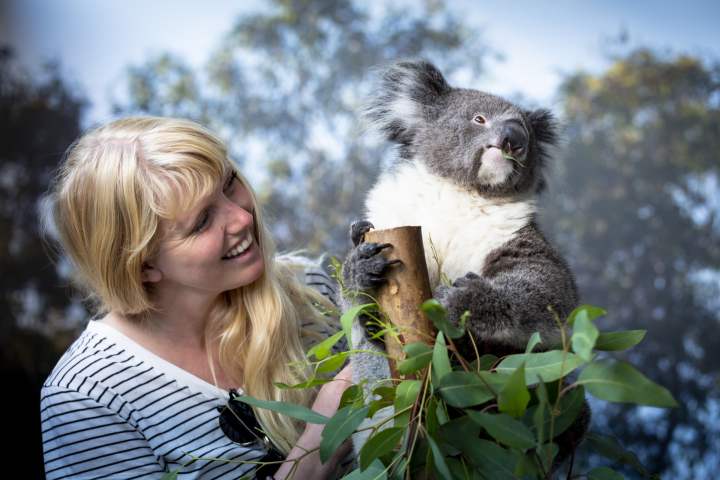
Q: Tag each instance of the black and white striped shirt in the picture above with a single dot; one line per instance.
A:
(112, 409)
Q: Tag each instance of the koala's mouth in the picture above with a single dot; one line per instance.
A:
(495, 167)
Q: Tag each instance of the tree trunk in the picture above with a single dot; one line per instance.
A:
(407, 288)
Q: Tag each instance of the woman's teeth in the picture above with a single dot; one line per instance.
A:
(240, 248)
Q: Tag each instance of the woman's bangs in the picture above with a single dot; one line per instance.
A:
(187, 183)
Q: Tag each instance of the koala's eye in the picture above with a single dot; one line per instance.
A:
(479, 119)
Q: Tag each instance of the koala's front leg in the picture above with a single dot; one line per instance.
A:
(502, 316)
(364, 270)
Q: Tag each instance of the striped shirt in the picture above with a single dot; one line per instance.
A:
(113, 409)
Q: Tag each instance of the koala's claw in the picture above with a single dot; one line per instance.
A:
(369, 250)
(365, 269)
(358, 230)
(465, 281)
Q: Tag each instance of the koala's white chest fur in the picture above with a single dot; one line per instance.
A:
(462, 226)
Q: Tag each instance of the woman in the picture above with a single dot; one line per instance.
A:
(166, 238)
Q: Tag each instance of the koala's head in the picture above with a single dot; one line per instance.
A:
(476, 139)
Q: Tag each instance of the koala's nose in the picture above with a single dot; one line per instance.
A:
(513, 138)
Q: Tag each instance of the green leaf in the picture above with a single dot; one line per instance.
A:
(289, 409)
(323, 349)
(387, 397)
(332, 363)
(514, 397)
(549, 365)
(547, 454)
(504, 429)
(419, 356)
(405, 395)
(457, 432)
(604, 473)
(615, 341)
(532, 342)
(376, 471)
(353, 395)
(339, 428)
(487, 361)
(438, 316)
(571, 404)
(379, 444)
(439, 459)
(611, 449)
(464, 389)
(346, 320)
(584, 336)
(589, 312)
(440, 360)
(491, 460)
(617, 381)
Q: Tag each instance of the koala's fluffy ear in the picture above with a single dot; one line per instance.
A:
(544, 126)
(545, 131)
(404, 99)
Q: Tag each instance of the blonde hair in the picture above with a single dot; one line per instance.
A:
(115, 185)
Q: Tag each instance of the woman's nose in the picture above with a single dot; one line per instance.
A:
(236, 217)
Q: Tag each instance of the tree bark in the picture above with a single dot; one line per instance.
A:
(408, 286)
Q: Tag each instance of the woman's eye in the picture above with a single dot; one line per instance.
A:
(202, 221)
(479, 119)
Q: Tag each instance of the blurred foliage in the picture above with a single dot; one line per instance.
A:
(39, 117)
(635, 211)
(634, 207)
(284, 88)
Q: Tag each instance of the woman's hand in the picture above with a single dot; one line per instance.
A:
(326, 403)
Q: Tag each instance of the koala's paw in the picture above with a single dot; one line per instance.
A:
(358, 230)
(365, 268)
(472, 293)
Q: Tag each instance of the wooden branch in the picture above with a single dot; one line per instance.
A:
(407, 288)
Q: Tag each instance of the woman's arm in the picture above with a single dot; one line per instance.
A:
(326, 403)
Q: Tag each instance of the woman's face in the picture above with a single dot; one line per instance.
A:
(212, 248)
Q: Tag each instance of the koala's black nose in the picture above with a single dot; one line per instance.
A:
(513, 138)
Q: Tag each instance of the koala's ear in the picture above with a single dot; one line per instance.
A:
(544, 126)
(405, 99)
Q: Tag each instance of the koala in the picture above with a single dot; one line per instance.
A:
(470, 169)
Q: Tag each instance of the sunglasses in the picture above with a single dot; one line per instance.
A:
(239, 424)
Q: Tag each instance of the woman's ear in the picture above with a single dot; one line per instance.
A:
(150, 274)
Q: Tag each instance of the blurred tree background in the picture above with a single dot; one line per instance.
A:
(633, 202)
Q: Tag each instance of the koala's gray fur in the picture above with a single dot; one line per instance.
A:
(476, 206)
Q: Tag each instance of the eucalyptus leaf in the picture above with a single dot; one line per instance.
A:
(549, 365)
(346, 320)
(589, 312)
(615, 341)
(584, 336)
(438, 316)
(353, 395)
(339, 428)
(289, 409)
(332, 363)
(380, 444)
(376, 471)
(439, 459)
(419, 356)
(504, 429)
(464, 389)
(611, 449)
(491, 460)
(406, 394)
(617, 381)
(323, 349)
(309, 383)
(440, 360)
(514, 397)
(533, 342)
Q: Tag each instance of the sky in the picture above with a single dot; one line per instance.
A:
(95, 41)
